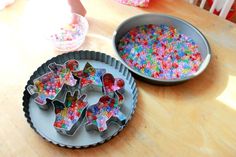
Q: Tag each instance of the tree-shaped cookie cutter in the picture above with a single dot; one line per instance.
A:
(70, 113)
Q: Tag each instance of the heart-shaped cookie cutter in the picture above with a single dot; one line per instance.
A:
(114, 87)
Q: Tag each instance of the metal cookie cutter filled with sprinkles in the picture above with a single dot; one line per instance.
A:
(72, 110)
(90, 78)
(49, 85)
(70, 113)
(108, 107)
(95, 109)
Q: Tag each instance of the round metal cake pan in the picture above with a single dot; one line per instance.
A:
(181, 26)
(42, 121)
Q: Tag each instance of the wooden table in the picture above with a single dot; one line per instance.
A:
(196, 118)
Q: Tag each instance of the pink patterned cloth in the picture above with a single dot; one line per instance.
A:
(136, 3)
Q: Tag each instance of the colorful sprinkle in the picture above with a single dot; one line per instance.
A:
(69, 113)
(99, 114)
(89, 77)
(114, 87)
(50, 84)
(108, 105)
(160, 51)
(69, 32)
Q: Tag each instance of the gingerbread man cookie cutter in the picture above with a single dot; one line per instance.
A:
(108, 108)
(50, 84)
(102, 113)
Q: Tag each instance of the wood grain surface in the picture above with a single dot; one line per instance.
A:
(193, 119)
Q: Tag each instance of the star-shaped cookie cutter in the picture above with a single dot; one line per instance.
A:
(90, 78)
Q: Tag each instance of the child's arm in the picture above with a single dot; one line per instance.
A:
(77, 7)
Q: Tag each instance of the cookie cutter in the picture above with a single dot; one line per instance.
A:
(69, 113)
(114, 87)
(107, 109)
(50, 84)
(90, 78)
(102, 113)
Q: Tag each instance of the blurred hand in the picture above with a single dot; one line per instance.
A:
(77, 7)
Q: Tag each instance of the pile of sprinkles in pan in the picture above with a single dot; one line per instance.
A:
(160, 51)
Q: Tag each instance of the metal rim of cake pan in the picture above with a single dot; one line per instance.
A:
(83, 55)
(153, 80)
